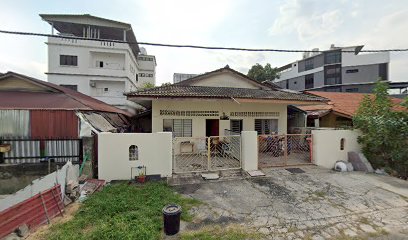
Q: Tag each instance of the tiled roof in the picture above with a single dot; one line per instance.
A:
(344, 103)
(178, 91)
(60, 99)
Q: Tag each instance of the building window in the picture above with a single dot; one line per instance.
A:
(236, 125)
(352, 71)
(106, 89)
(309, 81)
(179, 127)
(309, 64)
(351, 89)
(99, 64)
(68, 60)
(133, 153)
(333, 89)
(287, 84)
(266, 126)
(332, 57)
(342, 142)
(382, 71)
(137, 77)
(332, 75)
(72, 87)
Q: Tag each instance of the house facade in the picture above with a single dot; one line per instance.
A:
(97, 65)
(339, 69)
(338, 112)
(34, 109)
(219, 103)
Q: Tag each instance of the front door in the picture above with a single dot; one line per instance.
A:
(212, 127)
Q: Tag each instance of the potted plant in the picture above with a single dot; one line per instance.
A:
(141, 178)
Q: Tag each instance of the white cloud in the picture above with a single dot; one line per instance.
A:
(304, 19)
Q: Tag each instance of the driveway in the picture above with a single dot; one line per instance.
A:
(316, 204)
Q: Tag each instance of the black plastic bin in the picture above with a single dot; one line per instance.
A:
(171, 219)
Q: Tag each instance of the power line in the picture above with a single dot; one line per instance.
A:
(198, 46)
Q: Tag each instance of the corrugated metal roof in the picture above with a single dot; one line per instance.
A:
(98, 122)
(62, 99)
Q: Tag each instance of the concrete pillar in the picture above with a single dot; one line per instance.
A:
(249, 150)
(124, 35)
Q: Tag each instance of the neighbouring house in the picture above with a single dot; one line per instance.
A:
(219, 102)
(31, 108)
(339, 69)
(100, 65)
(339, 110)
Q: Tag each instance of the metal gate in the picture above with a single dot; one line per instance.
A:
(284, 150)
(202, 154)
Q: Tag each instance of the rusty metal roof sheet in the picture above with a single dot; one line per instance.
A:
(61, 99)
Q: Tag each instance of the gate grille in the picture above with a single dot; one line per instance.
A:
(284, 150)
(201, 154)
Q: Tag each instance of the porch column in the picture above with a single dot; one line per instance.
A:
(249, 150)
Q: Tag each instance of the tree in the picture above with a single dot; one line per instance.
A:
(260, 73)
(166, 84)
(384, 136)
(147, 85)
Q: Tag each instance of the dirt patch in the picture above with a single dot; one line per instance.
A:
(41, 232)
(187, 189)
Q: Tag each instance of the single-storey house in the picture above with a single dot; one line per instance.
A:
(219, 102)
(35, 109)
(339, 110)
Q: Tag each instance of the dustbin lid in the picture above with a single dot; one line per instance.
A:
(171, 209)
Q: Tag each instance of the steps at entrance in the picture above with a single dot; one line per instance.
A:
(196, 178)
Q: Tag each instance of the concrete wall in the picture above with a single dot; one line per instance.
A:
(350, 59)
(367, 73)
(39, 185)
(154, 152)
(198, 129)
(326, 146)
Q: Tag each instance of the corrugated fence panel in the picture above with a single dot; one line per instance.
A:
(23, 151)
(63, 150)
(14, 123)
(53, 124)
(34, 211)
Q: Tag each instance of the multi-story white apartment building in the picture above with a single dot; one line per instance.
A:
(339, 69)
(178, 77)
(97, 65)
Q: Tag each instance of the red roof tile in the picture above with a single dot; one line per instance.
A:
(344, 103)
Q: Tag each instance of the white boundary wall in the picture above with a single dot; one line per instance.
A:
(39, 185)
(154, 152)
(249, 150)
(326, 146)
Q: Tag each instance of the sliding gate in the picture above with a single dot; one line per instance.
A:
(284, 150)
(202, 154)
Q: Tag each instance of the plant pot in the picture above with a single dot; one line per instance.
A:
(141, 179)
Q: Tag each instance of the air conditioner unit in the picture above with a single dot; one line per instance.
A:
(92, 84)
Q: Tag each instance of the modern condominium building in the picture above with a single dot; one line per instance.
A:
(339, 69)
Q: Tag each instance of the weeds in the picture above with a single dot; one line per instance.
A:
(122, 211)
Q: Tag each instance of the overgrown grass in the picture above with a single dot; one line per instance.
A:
(226, 233)
(122, 211)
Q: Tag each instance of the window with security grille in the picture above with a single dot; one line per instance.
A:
(266, 126)
(236, 125)
(68, 60)
(179, 127)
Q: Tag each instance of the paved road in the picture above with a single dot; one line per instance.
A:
(317, 204)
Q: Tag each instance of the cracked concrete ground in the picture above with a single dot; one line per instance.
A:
(317, 204)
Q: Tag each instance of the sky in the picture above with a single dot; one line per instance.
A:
(291, 24)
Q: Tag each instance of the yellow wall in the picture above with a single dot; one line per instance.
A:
(225, 79)
(216, 105)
